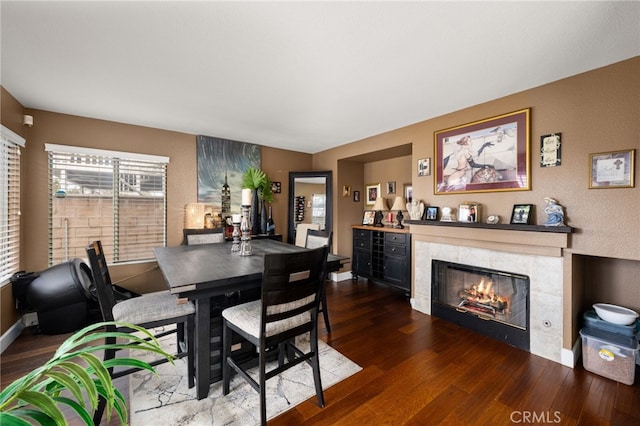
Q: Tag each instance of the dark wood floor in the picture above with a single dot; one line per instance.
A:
(421, 370)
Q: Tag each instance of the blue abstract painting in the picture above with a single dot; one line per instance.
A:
(218, 158)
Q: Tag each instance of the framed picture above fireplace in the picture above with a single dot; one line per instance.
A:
(488, 155)
(521, 214)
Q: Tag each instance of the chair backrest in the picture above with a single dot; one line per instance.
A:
(101, 280)
(317, 238)
(301, 232)
(291, 289)
(203, 236)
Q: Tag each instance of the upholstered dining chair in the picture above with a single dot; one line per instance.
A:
(149, 310)
(315, 239)
(288, 307)
(301, 232)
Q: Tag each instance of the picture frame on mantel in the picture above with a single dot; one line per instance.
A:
(488, 155)
(521, 214)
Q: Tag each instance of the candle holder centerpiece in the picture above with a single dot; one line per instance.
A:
(245, 226)
(235, 221)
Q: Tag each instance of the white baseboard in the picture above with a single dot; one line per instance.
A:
(569, 358)
(340, 276)
(11, 335)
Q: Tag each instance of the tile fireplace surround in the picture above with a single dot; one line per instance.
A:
(536, 254)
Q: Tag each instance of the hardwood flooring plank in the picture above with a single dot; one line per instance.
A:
(418, 370)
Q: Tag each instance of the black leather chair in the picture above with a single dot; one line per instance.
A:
(149, 310)
(291, 288)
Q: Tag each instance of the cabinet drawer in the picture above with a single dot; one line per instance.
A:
(395, 250)
(361, 234)
(362, 244)
(392, 237)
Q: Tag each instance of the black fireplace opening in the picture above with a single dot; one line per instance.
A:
(490, 302)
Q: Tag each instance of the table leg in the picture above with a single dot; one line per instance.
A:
(202, 333)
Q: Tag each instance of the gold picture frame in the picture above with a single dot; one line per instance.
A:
(613, 169)
(488, 155)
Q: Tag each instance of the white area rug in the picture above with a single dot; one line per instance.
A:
(165, 399)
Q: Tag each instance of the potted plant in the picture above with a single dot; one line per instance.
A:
(82, 375)
(258, 181)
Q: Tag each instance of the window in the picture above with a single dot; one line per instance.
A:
(9, 203)
(116, 197)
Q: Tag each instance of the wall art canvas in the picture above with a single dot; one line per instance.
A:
(484, 156)
(218, 158)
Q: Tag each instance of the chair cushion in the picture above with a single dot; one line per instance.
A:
(150, 307)
(247, 316)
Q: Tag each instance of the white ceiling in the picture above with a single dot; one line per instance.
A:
(305, 76)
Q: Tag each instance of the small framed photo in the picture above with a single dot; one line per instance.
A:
(550, 153)
(431, 213)
(368, 217)
(373, 192)
(356, 196)
(346, 191)
(468, 212)
(521, 214)
(408, 192)
(613, 169)
(276, 187)
(391, 187)
(424, 167)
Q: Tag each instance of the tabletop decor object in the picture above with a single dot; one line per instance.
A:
(554, 212)
(399, 205)
(245, 229)
(235, 221)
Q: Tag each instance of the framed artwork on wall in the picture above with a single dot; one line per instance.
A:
(373, 192)
(484, 156)
(613, 169)
(424, 167)
(550, 153)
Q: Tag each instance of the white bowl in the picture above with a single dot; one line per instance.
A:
(615, 314)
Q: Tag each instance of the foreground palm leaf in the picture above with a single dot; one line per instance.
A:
(75, 369)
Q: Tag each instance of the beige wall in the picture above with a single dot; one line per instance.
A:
(595, 111)
(79, 131)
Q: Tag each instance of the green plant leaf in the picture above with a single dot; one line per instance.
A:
(17, 418)
(46, 404)
(253, 178)
(78, 408)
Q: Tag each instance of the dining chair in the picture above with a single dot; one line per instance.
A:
(315, 239)
(203, 236)
(301, 232)
(288, 307)
(158, 309)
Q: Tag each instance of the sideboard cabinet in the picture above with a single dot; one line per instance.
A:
(382, 255)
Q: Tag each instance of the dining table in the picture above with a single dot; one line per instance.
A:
(213, 277)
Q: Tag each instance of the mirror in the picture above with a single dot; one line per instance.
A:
(310, 201)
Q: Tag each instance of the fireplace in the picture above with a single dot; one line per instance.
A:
(491, 302)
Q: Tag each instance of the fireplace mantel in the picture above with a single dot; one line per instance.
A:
(537, 253)
(529, 239)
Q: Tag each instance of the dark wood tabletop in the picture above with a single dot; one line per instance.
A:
(197, 267)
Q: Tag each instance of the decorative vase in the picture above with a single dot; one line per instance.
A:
(263, 217)
(255, 213)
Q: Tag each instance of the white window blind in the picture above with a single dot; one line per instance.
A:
(116, 197)
(9, 203)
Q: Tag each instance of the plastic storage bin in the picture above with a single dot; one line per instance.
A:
(609, 355)
(593, 321)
